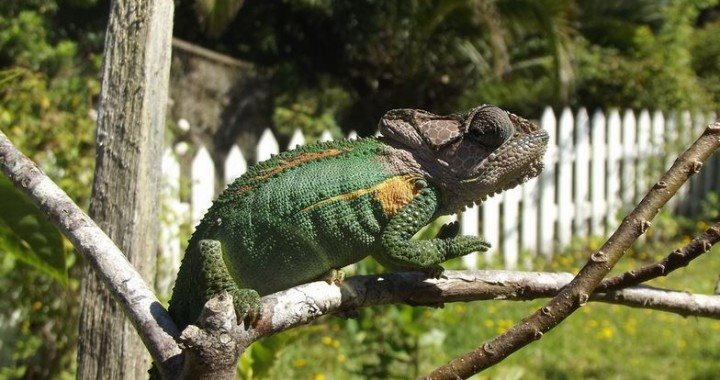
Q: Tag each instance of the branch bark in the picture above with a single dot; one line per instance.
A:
(600, 263)
(304, 303)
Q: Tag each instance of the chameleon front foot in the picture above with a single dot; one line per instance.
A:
(248, 306)
(433, 271)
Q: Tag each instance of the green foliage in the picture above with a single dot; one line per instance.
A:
(48, 79)
(310, 110)
(706, 58)
(444, 55)
(215, 15)
(262, 356)
(27, 234)
(651, 68)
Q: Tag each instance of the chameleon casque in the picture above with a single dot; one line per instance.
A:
(305, 213)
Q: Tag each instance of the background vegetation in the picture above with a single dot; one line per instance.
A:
(341, 65)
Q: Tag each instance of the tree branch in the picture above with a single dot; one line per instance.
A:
(138, 301)
(600, 263)
(302, 304)
(675, 260)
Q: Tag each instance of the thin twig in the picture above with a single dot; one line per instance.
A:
(600, 263)
(138, 301)
(675, 260)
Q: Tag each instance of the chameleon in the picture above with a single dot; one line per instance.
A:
(304, 214)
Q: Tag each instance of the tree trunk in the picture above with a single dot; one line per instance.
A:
(124, 203)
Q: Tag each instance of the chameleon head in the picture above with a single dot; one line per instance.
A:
(471, 155)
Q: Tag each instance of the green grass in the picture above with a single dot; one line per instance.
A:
(599, 341)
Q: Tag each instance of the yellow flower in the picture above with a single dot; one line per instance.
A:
(299, 363)
(606, 333)
(701, 225)
(341, 358)
(503, 325)
(326, 340)
(336, 343)
(37, 305)
(489, 323)
(319, 376)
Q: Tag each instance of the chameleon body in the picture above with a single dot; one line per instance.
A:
(305, 213)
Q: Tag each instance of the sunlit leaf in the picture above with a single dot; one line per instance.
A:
(26, 234)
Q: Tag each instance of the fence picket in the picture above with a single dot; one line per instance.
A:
(203, 184)
(657, 143)
(670, 145)
(614, 150)
(235, 164)
(581, 174)
(597, 175)
(685, 134)
(326, 136)
(470, 225)
(297, 139)
(529, 227)
(267, 146)
(629, 155)
(491, 225)
(548, 211)
(169, 254)
(510, 236)
(565, 206)
(643, 146)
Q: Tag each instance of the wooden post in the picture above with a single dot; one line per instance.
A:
(129, 142)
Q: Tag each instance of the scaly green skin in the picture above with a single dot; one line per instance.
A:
(305, 213)
(273, 238)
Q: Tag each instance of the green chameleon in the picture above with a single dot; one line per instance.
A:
(304, 214)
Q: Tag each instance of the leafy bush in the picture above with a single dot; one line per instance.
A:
(47, 85)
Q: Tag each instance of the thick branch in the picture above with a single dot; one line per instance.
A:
(600, 263)
(304, 303)
(138, 301)
(214, 343)
(675, 260)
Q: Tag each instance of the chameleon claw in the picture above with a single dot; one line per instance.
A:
(334, 276)
(434, 271)
(449, 230)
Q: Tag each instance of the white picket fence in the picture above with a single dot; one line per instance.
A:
(594, 167)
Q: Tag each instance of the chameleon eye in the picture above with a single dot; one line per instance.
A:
(491, 127)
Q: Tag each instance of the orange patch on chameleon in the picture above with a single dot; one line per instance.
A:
(393, 194)
(299, 160)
